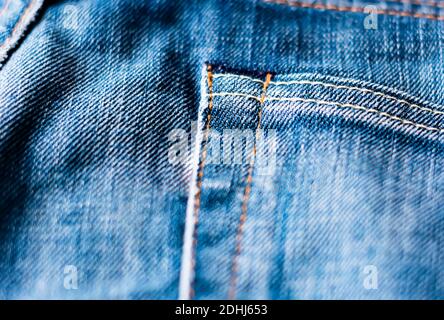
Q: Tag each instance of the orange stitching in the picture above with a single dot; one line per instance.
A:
(355, 9)
(243, 217)
(420, 3)
(18, 24)
(200, 173)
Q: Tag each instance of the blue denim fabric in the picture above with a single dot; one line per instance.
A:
(358, 183)
(91, 91)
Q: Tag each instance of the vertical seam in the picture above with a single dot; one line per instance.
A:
(246, 197)
(200, 175)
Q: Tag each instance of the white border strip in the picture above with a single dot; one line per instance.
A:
(187, 268)
(19, 29)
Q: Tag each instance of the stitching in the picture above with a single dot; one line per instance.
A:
(238, 94)
(357, 107)
(420, 3)
(224, 75)
(200, 173)
(342, 105)
(247, 191)
(355, 9)
(376, 93)
(330, 85)
(18, 24)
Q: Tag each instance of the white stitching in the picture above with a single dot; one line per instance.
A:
(342, 105)
(224, 75)
(330, 85)
(237, 94)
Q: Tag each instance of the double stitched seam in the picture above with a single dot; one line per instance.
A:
(246, 197)
(355, 9)
(330, 85)
(337, 104)
(18, 24)
(200, 174)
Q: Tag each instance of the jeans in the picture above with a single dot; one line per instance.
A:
(242, 149)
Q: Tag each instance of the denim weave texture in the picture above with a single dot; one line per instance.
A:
(91, 90)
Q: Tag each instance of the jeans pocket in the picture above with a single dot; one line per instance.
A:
(309, 186)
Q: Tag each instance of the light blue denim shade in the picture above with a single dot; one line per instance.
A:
(352, 189)
(91, 92)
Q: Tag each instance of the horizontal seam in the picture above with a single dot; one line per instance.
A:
(224, 75)
(420, 3)
(355, 9)
(342, 105)
(329, 85)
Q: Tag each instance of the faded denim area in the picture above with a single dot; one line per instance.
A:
(93, 89)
